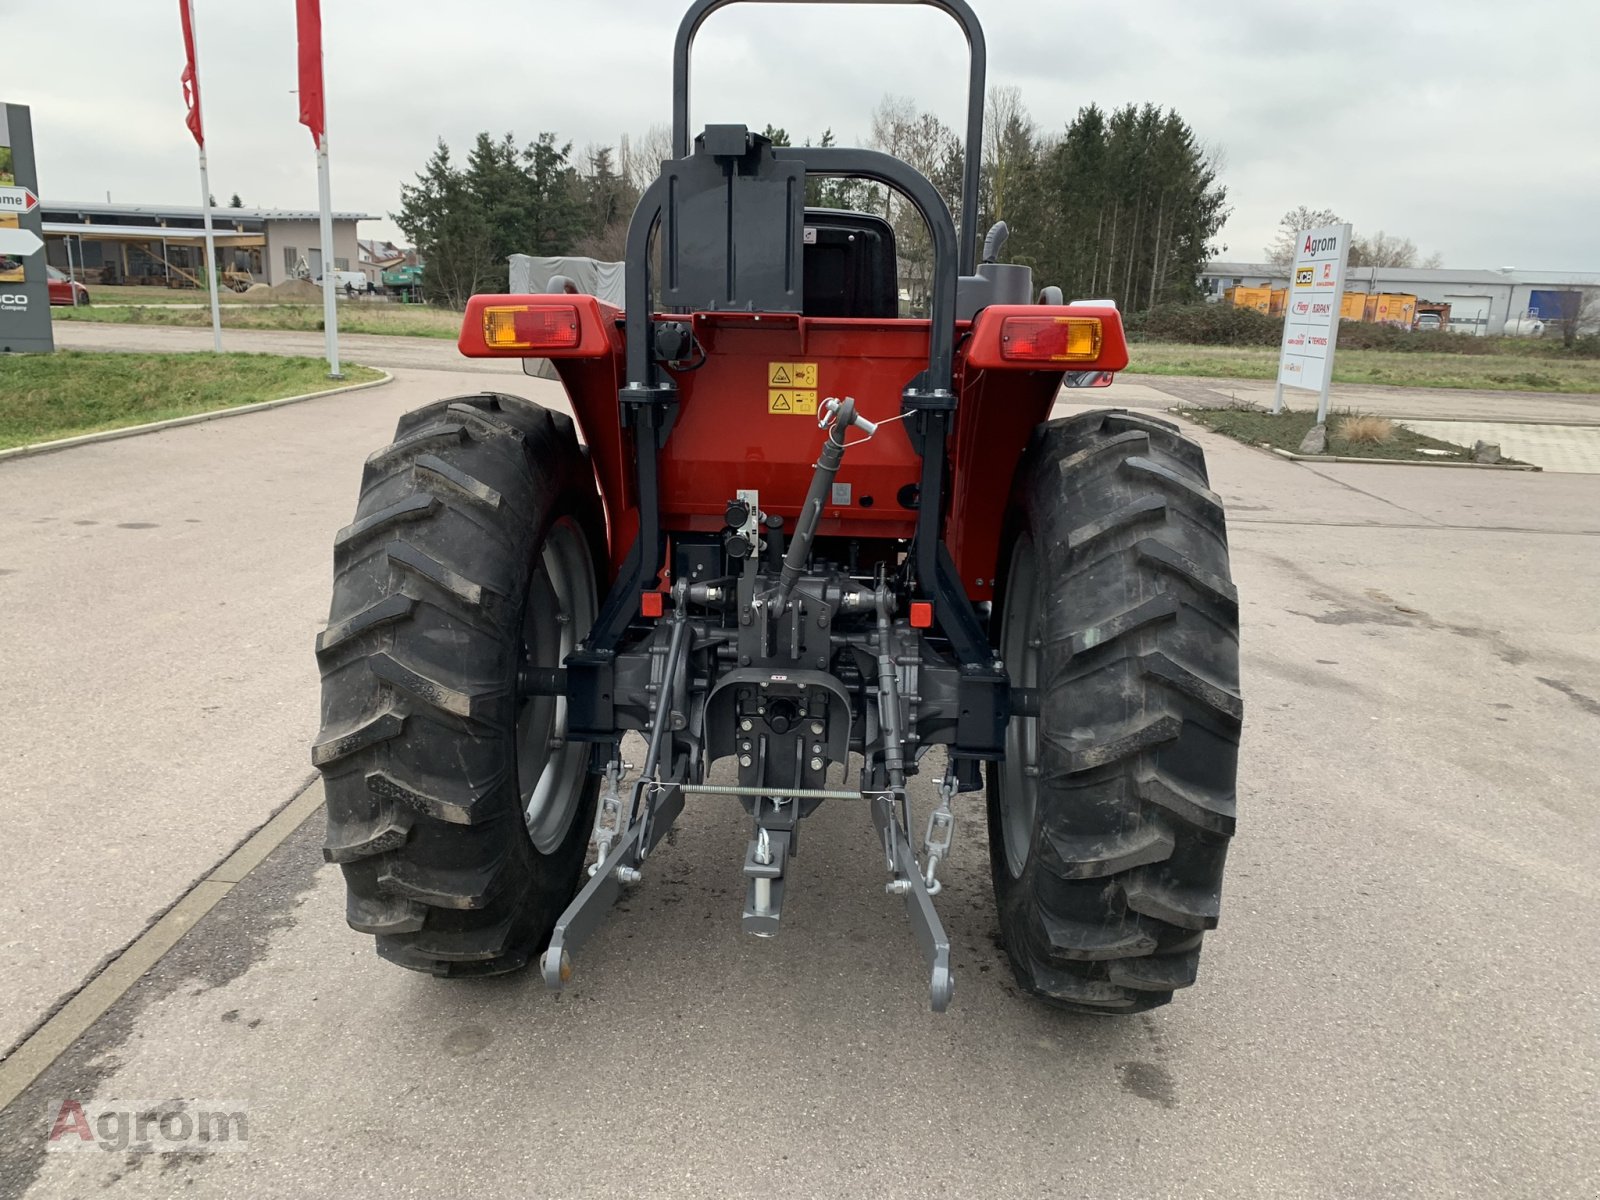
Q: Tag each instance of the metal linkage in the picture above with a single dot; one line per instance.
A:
(941, 832)
(655, 805)
(908, 882)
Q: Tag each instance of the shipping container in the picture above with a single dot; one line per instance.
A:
(1258, 298)
(1353, 306)
(1391, 308)
(1280, 301)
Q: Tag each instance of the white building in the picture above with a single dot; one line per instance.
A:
(164, 244)
(1480, 301)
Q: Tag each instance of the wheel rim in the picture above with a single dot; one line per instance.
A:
(562, 603)
(1019, 646)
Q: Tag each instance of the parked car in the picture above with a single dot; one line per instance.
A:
(66, 290)
(1429, 320)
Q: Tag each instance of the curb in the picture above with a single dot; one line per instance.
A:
(109, 982)
(1399, 462)
(111, 435)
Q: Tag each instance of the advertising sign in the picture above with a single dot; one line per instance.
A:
(1311, 314)
(24, 282)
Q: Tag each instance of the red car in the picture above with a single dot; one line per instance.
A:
(66, 290)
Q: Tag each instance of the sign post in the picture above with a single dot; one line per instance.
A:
(24, 282)
(1311, 316)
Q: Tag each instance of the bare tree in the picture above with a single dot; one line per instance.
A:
(1009, 139)
(641, 158)
(1580, 314)
(925, 143)
(1282, 249)
(1383, 250)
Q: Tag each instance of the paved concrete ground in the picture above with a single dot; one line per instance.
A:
(1553, 447)
(1400, 1002)
(157, 645)
(1439, 404)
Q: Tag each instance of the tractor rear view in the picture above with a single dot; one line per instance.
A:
(802, 536)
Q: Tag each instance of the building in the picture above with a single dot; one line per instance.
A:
(1481, 302)
(164, 245)
(374, 257)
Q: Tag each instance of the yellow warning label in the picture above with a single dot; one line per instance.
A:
(786, 374)
(800, 402)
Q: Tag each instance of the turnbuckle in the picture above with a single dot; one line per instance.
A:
(941, 832)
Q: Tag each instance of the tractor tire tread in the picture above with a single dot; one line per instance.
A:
(1140, 714)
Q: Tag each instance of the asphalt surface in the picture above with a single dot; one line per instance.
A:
(162, 594)
(1400, 1001)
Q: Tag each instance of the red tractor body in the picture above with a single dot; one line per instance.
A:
(747, 412)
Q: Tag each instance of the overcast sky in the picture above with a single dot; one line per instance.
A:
(1470, 126)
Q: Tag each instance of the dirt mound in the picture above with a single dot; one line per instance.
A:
(257, 289)
(297, 290)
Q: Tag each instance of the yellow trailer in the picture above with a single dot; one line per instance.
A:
(1258, 298)
(1391, 308)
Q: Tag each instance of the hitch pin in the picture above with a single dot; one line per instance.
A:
(763, 903)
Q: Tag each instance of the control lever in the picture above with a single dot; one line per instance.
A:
(837, 417)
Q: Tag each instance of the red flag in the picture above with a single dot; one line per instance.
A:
(191, 77)
(308, 20)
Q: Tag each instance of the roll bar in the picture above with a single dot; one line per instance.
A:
(972, 163)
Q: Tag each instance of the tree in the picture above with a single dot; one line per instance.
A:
(440, 217)
(1009, 139)
(925, 143)
(608, 202)
(1382, 250)
(1297, 220)
(1124, 206)
(1580, 313)
(234, 201)
(508, 199)
(642, 157)
(1370, 250)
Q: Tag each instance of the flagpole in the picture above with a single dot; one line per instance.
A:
(330, 303)
(205, 207)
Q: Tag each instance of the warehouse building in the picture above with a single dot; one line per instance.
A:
(164, 245)
(1481, 302)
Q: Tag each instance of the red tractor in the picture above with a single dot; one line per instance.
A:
(793, 542)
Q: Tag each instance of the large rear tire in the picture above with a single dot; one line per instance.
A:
(457, 810)
(1110, 816)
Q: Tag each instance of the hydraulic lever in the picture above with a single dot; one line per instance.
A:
(840, 415)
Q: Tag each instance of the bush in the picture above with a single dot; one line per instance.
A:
(1215, 324)
(1206, 325)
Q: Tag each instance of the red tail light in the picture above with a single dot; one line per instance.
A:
(523, 327)
(1050, 339)
(1040, 337)
(537, 327)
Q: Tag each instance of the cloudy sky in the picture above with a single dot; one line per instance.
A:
(1471, 127)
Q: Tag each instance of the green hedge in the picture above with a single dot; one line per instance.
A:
(1227, 325)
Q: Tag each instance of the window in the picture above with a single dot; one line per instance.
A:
(341, 264)
(290, 257)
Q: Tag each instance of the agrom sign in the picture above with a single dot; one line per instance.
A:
(1311, 319)
(24, 281)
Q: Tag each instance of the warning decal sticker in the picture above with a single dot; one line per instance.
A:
(796, 401)
(787, 374)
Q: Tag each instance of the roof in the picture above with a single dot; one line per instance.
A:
(1440, 275)
(193, 212)
(153, 233)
